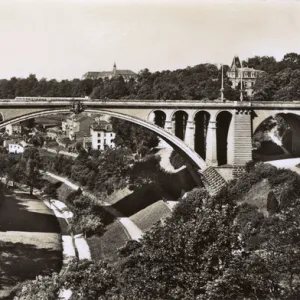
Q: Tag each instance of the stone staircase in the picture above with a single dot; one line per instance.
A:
(212, 180)
(242, 139)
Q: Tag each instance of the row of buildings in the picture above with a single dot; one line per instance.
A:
(95, 133)
(91, 132)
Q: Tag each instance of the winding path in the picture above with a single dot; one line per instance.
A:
(133, 231)
(289, 163)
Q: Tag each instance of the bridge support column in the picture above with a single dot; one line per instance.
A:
(168, 126)
(211, 143)
(295, 144)
(189, 137)
(242, 139)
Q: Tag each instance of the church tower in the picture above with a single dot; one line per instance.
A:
(114, 72)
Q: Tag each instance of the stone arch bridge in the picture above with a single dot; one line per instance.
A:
(215, 137)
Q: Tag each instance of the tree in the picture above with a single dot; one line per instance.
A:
(134, 137)
(32, 168)
(264, 88)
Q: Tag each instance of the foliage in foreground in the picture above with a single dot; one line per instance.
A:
(205, 250)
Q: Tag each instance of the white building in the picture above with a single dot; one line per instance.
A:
(15, 148)
(102, 135)
(247, 75)
(13, 129)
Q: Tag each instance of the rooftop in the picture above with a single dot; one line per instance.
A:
(114, 72)
(102, 126)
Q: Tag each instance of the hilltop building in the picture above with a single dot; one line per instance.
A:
(249, 76)
(126, 74)
(102, 135)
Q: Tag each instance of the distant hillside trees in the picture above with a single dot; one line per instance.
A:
(31, 86)
(199, 82)
(203, 81)
(281, 80)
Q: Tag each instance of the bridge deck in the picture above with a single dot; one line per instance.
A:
(58, 102)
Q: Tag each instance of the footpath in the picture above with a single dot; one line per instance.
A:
(131, 229)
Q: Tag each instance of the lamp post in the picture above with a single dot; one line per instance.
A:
(222, 85)
(241, 95)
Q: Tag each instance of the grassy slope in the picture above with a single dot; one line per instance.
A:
(105, 247)
(150, 215)
(258, 195)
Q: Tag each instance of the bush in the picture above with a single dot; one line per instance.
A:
(250, 165)
(187, 207)
(87, 224)
(51, 189)
(176, 160)
(272, 203)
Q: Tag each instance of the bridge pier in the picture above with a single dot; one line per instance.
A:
(211, 143)
(169, 126)
(242, 140)
(296, 146)
(189, 137)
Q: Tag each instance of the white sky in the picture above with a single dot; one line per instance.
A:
(66, 38)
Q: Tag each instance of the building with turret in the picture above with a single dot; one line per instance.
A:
(248, 76)
(126, 74)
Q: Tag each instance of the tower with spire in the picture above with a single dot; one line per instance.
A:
(114, 72)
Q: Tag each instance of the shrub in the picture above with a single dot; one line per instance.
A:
(187, 207)
(176, 160)
(272, 203)
(51, 189)
(88, 224)
(265, 170)
(250, 165)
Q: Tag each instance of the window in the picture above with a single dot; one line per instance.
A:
(98, 134)
(99, 141)
(98, 147)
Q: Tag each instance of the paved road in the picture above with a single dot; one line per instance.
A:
(29, 239)
(289, 163)
(134, 232)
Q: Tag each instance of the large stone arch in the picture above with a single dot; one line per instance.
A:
(292, 118)
(194, 158)
(260, 116)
